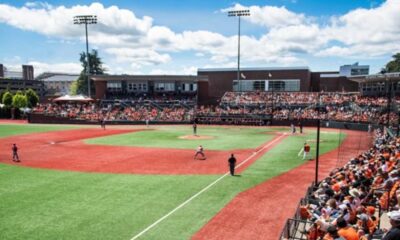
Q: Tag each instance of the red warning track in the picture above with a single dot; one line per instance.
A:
(17, 121)
(261, 212)
(64, 150)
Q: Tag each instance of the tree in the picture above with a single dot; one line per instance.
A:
(31, 97)
(7, 99)
(19, 101)
(394, 65)
(73, 89)
(95, 68)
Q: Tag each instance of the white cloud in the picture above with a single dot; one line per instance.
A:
(41, 67)
(141, 56)
(270, 16)
(192, 70)
(289, 36)
(58, 21)
(366, 32)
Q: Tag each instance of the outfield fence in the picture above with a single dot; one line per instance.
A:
(214, 120)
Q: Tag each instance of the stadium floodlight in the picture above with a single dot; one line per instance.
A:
(86, 19)
(239, 14)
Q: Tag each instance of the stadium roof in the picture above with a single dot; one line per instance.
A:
(394, 76)
(166, 78)
(253, 69)
(61, 78)
(56, 76)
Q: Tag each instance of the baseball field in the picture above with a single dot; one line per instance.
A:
(134, 182)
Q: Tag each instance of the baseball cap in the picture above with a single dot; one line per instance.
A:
(394, 215)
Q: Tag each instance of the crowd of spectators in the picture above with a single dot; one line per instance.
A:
(167, 98)
(250, 107)
(346, 203)
(305, 105)
(301, 98)
(136, 112)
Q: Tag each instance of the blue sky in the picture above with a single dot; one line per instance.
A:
(177, 37)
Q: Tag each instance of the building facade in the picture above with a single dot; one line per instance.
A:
(282, 79)
(129, 85)
(20, 80)
(387, 84)
(210, 84)
(57, 84)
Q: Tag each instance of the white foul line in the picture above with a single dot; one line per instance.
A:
(203, 190)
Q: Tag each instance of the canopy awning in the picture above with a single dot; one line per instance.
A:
(77, 98)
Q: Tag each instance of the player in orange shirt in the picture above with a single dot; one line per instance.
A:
(306, 150)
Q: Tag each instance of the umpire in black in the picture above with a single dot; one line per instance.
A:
(232, 164)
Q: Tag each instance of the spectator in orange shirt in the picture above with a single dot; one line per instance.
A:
(332, 234)
(345, 231)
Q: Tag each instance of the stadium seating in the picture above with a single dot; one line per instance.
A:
(357, 193)
(249, 108)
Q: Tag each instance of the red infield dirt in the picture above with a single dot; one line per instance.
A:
(64, 150)
(261, 212)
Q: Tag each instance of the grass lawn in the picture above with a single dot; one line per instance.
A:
(46, 204)
(224, 138)
(10, 130)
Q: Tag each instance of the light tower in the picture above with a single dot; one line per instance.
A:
(86, 19)
(239, 13)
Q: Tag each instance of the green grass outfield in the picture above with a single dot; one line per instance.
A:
(11, 130)
(224, 138)
(49, 204)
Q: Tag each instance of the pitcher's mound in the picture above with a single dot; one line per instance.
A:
(196, 137)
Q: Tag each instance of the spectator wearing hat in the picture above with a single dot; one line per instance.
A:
(394, 232)
(356, 195)
(365, 222)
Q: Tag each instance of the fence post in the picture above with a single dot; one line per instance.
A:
(288, 228)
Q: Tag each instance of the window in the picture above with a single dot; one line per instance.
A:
(137, 87)
(189, 87)
(246, 85)
(287, 85)
(164, 87)
(114, 86)
(259, 85)
(359, 71)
